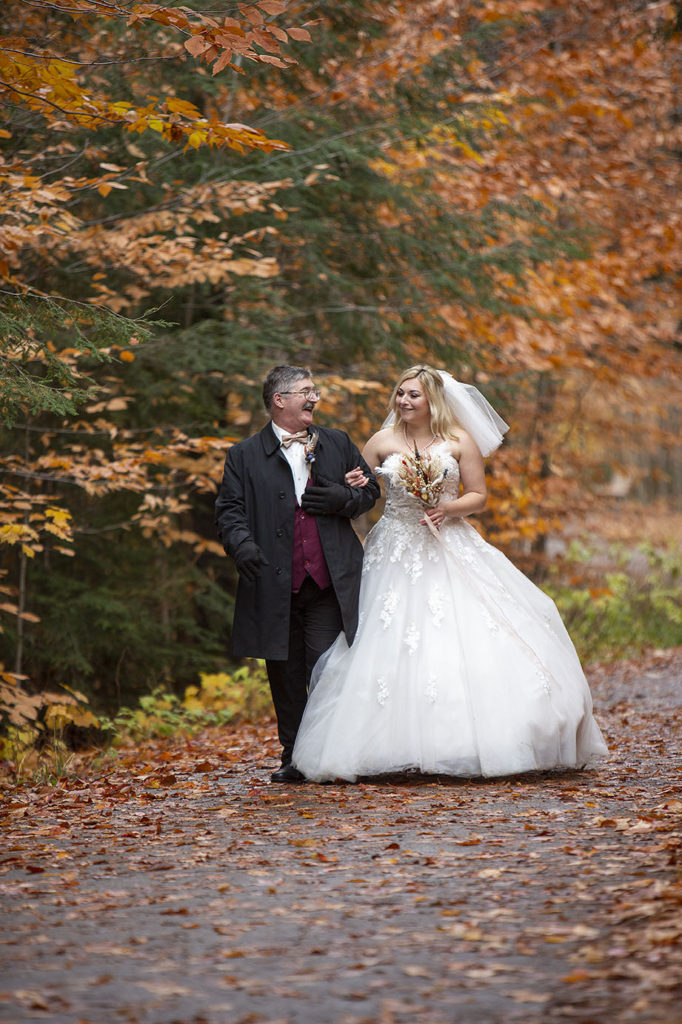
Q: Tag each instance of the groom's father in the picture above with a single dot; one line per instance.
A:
(283, 515)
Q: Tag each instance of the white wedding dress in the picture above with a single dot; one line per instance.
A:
(460, 666)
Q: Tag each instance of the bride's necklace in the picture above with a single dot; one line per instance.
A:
(416, 450)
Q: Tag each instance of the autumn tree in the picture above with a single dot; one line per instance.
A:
(79, 269)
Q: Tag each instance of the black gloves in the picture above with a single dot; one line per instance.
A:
(249, 558)
(324, 498)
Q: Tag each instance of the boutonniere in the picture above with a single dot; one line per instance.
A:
(309, 450)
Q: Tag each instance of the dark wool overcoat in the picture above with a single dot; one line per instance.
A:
(257, 502)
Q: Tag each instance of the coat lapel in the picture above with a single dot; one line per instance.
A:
(269, 439)
(271, 445)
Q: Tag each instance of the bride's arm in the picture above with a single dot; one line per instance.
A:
(355, 477)
(474, 493)
(378, 447)
(374, 453)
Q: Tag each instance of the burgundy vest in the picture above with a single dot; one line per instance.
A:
(308, 555)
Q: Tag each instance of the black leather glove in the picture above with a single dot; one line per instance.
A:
(249, 558)
(324, 498)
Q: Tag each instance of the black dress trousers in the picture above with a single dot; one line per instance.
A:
(314, 624)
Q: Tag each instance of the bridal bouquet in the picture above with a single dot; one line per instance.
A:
(423, 476)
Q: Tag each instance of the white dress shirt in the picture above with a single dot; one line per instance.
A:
(295, 456)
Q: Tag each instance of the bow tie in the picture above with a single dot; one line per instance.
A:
(288, 439)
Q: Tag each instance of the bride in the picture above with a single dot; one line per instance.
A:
(461, 665)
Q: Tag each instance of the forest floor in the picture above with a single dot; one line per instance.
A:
(175, 884)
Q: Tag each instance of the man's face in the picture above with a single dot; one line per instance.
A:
(294, 409)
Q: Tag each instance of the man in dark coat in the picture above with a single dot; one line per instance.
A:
(284, 515)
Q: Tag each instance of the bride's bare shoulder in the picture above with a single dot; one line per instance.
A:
(385, 438)
(461, 443)
(380, 445)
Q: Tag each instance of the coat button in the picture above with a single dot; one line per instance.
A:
(280, 533)
(282, 494)
(278, 571)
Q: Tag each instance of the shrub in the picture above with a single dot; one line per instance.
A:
(44, 721)
(220, 698)
(634, 603)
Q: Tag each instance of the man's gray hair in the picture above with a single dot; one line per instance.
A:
(281, 378)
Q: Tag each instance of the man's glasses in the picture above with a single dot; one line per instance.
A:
(305, 393)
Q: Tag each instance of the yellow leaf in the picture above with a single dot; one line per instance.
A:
(177, 106)
(59, 516)
(62, 714)
(468, 151)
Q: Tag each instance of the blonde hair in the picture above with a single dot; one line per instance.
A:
(443, 422)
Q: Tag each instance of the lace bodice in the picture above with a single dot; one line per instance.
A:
(405, 507)
(400, 536)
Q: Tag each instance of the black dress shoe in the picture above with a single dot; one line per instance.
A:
(287, 773)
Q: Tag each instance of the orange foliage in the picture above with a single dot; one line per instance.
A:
(577, 112)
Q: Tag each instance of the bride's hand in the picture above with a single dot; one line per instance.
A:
(356, 478)
(436, 515)
(439, 513)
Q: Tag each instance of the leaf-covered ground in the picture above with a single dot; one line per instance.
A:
(176, 885)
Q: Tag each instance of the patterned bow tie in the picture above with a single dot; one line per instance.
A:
(288, 439)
